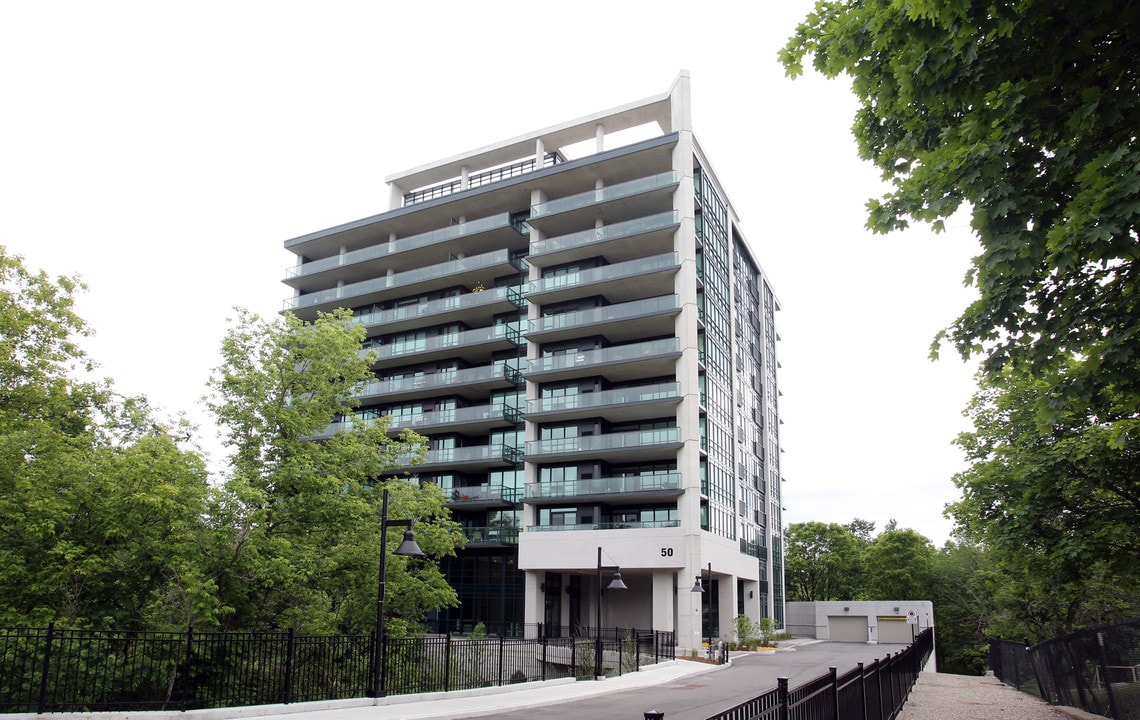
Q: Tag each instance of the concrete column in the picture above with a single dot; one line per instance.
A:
(533, 605)
(664, 609)
(539, 152)
(463, 181)
(726, 607)
(600, 138)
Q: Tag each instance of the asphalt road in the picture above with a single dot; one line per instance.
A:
(704, 695)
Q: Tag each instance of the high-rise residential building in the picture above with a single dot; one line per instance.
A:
(575, 320)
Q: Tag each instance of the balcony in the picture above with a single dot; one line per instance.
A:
(475, 346)
(467, 272)
(464, 459)
(617, 323)
(620, 363)
(606, 526)
(471, 383)
(617, 405)
(612, 203)
(636, 489)
(469, 238)
(636, 446)
(491, 535)
(620, 282)
(479, 497)
(654, 235)
(472, 308)
(468, 421)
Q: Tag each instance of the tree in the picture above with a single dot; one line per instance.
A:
(964, 590)
(297, 521)
(898, 566)
(1059, 501)
(1026, 112)
(98, 502)
(863, 530)
(822, 562)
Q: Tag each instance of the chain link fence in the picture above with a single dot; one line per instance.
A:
(1097, 670)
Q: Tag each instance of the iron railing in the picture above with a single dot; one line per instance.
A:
(874, 692)
(1097, 670)
(65, 670)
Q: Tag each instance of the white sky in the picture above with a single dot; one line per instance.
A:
(165, 151)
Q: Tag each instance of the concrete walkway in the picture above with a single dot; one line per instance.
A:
(965, 697)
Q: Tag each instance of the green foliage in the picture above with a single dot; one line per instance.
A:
(823, 561)
(1024, 112)
(745, 629)
(1057, 503)
(99, 505)
(899, 566)
(106, 516)
(1024, 115)
(298, 532)
(767, 632)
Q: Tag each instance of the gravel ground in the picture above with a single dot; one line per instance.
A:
(963, 697)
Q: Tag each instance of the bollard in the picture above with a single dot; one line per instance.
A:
(654, 715)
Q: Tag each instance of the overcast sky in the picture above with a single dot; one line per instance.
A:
(165, 151)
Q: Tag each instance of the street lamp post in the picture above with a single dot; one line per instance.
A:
(700, 587)
(615, 584)
(409, 548)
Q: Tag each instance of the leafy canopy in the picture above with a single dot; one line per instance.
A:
(1026, 113)
(297, 538)
(99, 504)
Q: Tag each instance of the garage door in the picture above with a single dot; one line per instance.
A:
(845, 628)
(894, 630)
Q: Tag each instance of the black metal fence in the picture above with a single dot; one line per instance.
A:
(874, 692)
(56, 670)
(1097, 669)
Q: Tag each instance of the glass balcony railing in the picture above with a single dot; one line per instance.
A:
(467, 338)
(468, 301)
(439, 272)
(618, 354)
(606, 526)
(491, 535)
(619, 396)
(399, 245)
(664, 482)
(482, 494)
(606, 273)
(606, 194)
(616, 231)
(607, 314)
(482, 413)
(638, 439)
(464, 455)
(439, 380)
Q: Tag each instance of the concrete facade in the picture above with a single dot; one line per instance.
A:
(575, 320)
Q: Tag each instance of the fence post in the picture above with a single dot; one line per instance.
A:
(782, 697)
(1102, 660)
(544, 645)
(834, 690)
(879, 682)
(501, 639)
(863, 691)
(289, 647)
(186, 662)
(44, 674)
(636, 650)
(447, 664)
